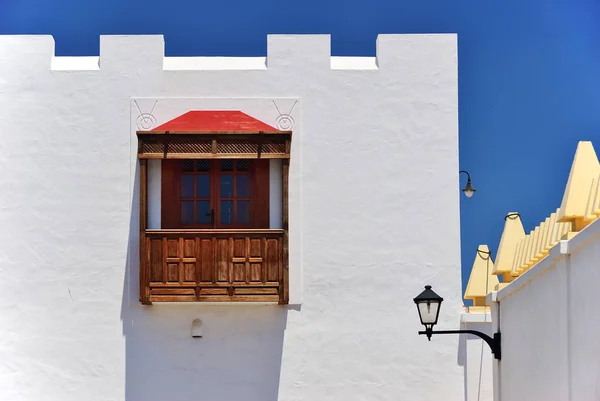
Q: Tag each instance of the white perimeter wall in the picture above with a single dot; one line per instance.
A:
(550, 324)
(378, 194)
(476, 358)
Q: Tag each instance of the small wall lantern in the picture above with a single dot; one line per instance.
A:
(197, 328)
(428, 305)
(468, 190)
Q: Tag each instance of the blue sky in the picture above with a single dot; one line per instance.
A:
(529, 73)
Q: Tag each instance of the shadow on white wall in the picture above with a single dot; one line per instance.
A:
(238, 356)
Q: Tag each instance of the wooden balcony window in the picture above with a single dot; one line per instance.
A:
(214, 244)
(214, 265)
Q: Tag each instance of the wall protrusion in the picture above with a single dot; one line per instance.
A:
(293, 51)
(123, 53)
(26, 53)
(405, 52)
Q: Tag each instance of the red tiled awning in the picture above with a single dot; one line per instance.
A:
(214, 134)
(214, 122)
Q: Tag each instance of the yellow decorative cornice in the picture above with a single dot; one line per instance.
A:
(543, 240)
(592, 210)
(512, 234)
(534, 246)
(519, 252)
(517, 257)
(482, 280)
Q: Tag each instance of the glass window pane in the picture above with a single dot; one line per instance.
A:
(243, 165)
(187, 212)
(187, 165)
(242, 186)
(187, 186)
(203, 165)
(226, 186)
(226, 212)
(203, 186)
(243, 212)
(203, 212)
(226, 165)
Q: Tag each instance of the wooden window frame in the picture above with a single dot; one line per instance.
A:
(236, 145)
(259, 194)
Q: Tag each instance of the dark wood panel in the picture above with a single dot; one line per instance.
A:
(261, 197)
(156, 260)
(208, 265)
(223, 261)
(170, 193)
(206, 259)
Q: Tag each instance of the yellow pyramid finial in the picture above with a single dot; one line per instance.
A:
(512, 234)
(482, 280)
(584, 170)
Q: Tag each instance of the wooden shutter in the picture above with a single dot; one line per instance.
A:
(261, 199)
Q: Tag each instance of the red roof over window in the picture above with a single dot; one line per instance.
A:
(217, 122)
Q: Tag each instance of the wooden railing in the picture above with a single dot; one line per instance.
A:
(213, 266)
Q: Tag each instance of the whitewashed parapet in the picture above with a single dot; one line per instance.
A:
(394, 52)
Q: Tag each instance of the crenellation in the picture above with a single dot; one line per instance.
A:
(405, 51)
(127, 52)
(291, 51)
(26, 52)
(147, 52)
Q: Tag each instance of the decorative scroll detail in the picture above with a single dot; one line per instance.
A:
(145, 121)
(285, 121)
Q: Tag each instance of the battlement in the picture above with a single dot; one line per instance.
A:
(404, 51)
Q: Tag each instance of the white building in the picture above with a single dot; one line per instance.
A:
(300, 285)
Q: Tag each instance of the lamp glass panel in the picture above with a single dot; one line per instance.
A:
(428, 311)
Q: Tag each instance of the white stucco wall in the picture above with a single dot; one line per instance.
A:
(549, 323)
(373, 217)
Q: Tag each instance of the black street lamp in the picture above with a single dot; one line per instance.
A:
(428, 305)
(468, 190)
